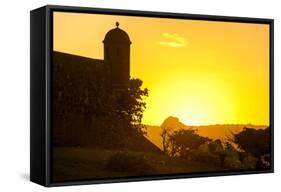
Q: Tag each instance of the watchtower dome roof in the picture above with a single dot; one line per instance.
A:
(117, 35)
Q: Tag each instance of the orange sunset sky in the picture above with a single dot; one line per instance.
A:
(203, 72)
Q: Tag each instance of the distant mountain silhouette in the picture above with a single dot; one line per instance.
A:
(218, 131)
(173, 122)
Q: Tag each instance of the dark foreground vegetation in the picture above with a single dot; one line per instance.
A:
(248, 149)
(185, 152)
(76, 163)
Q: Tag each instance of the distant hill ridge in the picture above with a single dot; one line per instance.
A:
(217, 131)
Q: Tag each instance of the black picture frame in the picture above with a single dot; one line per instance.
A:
(41, 47)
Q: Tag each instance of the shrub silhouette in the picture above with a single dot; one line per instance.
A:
(210, 152)
(231, 157)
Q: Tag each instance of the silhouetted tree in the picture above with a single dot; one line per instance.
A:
(165, 134)
(131, 105)
(184, 141)
(253, 141)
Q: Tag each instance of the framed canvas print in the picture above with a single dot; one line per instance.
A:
(122, 95)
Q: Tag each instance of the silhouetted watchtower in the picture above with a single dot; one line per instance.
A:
(117, 56)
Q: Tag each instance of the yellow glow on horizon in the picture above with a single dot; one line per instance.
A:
(203, 72)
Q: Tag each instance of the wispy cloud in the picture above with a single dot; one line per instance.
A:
(172, 40)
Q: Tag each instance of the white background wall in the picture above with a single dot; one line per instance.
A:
(14, 94)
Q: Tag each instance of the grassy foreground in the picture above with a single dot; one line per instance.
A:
(76, 163)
